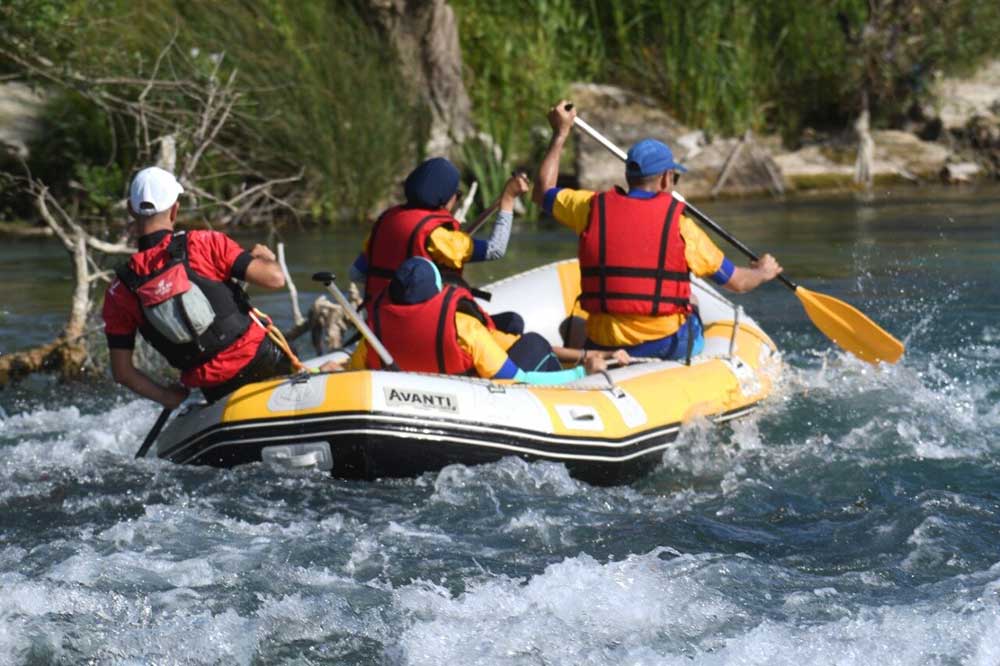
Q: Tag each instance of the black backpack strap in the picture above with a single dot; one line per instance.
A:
(441, 327)
(451, 276)
(129, 278)
(178, 247)
(468, 307)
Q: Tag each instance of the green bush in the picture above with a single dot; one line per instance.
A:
(319, 92)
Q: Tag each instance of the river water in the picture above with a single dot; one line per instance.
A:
(855, 519)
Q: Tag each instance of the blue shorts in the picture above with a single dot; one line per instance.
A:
(672, 348)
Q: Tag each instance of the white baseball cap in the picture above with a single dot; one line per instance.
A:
(153, 191)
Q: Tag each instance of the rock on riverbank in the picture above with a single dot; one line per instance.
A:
(961, 143)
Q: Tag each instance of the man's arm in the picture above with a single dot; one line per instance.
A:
(264, 269)
(496, 247)
(748, 279)
(580, 356)
(126, 374)
(705, 259)
(561, 121)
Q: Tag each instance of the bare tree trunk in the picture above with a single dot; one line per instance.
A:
(425, 36)
(864, 165)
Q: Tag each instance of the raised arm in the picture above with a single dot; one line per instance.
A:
(561, 121)
(496, 245)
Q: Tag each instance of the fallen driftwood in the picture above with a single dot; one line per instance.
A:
(68, 355)
(326, 323)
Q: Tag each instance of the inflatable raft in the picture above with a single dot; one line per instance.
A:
(607, 428)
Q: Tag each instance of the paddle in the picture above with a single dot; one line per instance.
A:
(839, 321)
(329, 281)
(161, 420)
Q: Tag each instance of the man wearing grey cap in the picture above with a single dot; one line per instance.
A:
(180, 292)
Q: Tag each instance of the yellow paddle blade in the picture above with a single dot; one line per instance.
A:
(850, 328)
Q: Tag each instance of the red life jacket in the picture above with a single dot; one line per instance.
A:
(422, 337)
(398, 234)
(632, 256)
(187, 317)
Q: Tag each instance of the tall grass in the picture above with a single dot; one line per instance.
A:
(324, 93)
(722, 65)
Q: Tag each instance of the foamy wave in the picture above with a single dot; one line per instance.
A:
(65, 437)
(460, 485)
(691, 609)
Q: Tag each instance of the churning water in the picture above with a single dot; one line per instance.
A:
(854, 519)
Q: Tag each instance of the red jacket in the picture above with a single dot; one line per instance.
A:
(422, 337)
(632, 256)
(398, 234)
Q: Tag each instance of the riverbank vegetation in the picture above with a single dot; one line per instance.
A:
(319, 93)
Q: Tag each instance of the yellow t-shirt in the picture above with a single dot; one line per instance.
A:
(487, 348)
(448, 249)
(571, 208)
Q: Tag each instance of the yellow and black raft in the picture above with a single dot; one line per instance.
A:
(607, 428)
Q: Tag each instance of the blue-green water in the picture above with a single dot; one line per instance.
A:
(854, 520)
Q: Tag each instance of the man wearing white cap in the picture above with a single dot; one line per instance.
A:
(179, 292)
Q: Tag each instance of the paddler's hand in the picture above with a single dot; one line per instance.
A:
(594, 363)
(619, 356)
(515, 186)
(560, 119)
(331, 366)
(262, 252)
(767, 266)
(174, 395)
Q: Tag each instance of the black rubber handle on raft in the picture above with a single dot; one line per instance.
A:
(154, 431)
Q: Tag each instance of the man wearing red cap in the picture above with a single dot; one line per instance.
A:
(425, 227)
(178, 291)
(637, 249)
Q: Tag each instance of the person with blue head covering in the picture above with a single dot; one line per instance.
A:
(423, 226)
(430, 326)
(637, 250)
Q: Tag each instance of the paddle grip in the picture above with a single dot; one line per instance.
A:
(331, 286)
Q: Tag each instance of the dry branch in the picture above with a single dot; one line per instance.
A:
(68, 355)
